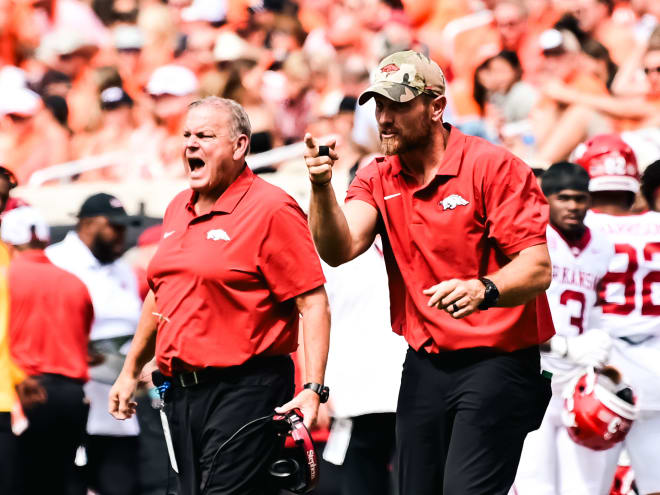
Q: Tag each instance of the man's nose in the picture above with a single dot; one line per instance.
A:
(192, 142)
(384, 117)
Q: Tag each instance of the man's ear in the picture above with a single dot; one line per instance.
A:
(241, 147)
(438, 105)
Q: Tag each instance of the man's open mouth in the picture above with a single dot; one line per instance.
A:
(195, 163)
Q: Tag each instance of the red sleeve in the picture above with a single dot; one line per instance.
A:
(516, 209)
(287, 258)
(360, 189)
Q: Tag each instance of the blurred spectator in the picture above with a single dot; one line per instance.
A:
(597, 61)
(31, 139)
(115, 132)
(631, 111)
(44, 298)
(128, 42)
(70, 53)
(297, 103)
(157, 25)
(290, 62)
(92, 252)
(596, 19)
(502, 96)
(558, 127)
(56, 83)
(513, 28)
(171, 88)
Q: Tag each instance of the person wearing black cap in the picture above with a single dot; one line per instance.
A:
(92, 252)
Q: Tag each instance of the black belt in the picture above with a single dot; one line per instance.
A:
(212, 374)
(195, 377)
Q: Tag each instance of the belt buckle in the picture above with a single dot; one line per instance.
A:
(183, 379)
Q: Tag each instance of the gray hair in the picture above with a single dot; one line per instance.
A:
(240, 123)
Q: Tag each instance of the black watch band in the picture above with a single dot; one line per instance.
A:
(491, 294)
(322, 390)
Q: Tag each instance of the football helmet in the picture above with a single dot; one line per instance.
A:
(599, 408)
(611, 163)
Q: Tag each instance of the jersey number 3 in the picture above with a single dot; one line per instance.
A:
(573, 295)
(628, 281)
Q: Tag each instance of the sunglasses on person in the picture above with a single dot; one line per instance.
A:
(649, 70)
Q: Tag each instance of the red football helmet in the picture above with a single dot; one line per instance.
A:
(598, 409)
(611, 163)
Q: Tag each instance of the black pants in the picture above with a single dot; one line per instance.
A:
(47, 448)
(462, 418)
(7, 455)
(204, 416)
(366, 468)
(112, 464)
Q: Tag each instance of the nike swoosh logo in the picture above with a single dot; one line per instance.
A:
(391, 196)
(167, 234)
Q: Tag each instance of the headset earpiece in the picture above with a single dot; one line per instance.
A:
(296, 471)
(284, 468)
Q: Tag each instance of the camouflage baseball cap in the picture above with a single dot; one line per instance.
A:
(403, 76)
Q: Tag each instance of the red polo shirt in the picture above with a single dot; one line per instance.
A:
(225, 282)
(483, 205)
(50, 316)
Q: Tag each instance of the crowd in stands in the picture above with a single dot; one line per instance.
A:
(113, 78)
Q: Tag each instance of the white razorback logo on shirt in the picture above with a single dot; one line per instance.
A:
(217, 235)
(451, 202)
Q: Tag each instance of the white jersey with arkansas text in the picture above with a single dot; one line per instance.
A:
(577, 267)
(629, 299)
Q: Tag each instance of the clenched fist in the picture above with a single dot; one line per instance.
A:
(318, 164)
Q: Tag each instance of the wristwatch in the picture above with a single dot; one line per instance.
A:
(491, 295)
(322, 390)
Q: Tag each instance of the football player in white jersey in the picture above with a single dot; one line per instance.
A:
(551, 463)
(629, 296)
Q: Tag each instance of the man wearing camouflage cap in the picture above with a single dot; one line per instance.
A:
(463, 226)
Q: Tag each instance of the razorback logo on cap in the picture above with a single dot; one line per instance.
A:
(390, 68)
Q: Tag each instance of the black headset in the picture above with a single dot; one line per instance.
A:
(298, 469)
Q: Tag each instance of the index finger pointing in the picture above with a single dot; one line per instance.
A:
(309, 141)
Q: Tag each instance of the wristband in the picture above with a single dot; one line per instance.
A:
(321, 390)
(491, 294)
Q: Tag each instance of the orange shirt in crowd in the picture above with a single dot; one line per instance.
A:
(47, 143)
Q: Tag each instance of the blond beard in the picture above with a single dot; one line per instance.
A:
(389, 146)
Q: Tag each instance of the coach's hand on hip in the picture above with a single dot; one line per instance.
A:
(318, 162)
(459, 298)
(120, 400)
(308, 402)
